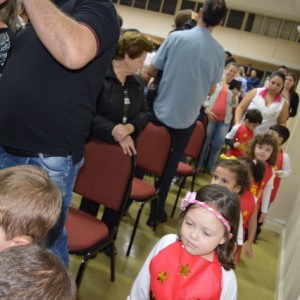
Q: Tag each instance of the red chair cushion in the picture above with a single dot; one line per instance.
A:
(184, 169)
(141, 190)
(84, 231)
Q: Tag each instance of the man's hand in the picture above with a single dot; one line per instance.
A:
(127, 145)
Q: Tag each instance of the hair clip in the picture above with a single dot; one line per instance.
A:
(225, 157)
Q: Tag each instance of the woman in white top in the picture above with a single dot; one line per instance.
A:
(269, 101)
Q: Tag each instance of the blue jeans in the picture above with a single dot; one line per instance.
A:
(215, 137)
(63, 173)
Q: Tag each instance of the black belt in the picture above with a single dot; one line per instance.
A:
(21, 152)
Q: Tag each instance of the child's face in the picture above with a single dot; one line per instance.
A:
(4, 243)
(250, 126)
(201, 232)
(276, 136)
(225, 177)
(263, 152)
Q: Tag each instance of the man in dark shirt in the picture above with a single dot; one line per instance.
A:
(49, 90)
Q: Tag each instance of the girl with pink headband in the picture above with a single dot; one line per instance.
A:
(197, 263)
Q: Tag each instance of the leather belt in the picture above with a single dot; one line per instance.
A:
(21, 152)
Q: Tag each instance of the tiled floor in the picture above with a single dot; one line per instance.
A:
(256, 276)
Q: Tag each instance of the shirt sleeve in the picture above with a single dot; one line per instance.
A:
(286, 166)
(267, 194)
(229, 288)
(161, 56)
(141, 285)
(240, 234)
(101, 18)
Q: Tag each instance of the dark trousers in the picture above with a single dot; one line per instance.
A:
(180, 138)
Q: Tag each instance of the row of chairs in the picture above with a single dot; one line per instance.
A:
(107, 178)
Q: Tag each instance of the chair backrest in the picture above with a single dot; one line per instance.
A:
(106, 175)
(153, 148)
(196, 141)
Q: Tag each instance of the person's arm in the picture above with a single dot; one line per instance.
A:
(266, 199)
(72, 44)
(243, 106)
(286, 166)
(284, 114)
(229, 138)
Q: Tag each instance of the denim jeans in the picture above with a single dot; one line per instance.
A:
(215, 137)
(63, 173)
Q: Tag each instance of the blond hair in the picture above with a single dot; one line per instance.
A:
(30, 203)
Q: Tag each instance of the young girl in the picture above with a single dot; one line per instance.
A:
(264, 148)
(197, 263)
(235, 175)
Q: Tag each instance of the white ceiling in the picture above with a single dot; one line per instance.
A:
(286, 9)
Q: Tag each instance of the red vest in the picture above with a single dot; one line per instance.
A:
(247, 207)
(243, 135)
(258, 190)
(277, 180)
(177, 275)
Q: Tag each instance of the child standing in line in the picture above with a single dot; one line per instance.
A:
(264, 148)
(283, 166)
(240, 134)
(197, 263)
(235, 175)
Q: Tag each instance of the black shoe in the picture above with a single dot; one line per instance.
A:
(107, 251)
(162, 218)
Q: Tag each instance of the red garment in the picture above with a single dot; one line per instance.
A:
(258, 190)
(177, 275)
(247, 207)
(243, 136)
(220, 106)
(277, 180)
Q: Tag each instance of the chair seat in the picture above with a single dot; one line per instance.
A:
(84, 231)
(184, 169)
(141, 190)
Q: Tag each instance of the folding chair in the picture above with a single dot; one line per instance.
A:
(105, 178)
(193, 151)
(153, 148)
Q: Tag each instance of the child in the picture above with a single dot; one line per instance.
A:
(263, 147)
(283, 166)
(196, 264)
(235, 175)
(30, 204)
(29, 272)
(240, 134)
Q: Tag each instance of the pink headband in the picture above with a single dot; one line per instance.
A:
(190, 198)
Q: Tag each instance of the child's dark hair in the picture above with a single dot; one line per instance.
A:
(228, 204)
(242, 172)
(257, 168)
(253, 116)
(282, 131)
(262, 139)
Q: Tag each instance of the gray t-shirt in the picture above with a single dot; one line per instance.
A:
(192, 61)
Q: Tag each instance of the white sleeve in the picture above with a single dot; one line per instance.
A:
(229, 288)
(232, 132)
(140, 288)
(267, 194)
(240, 234)
(286, 166)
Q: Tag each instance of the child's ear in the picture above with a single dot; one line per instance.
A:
(225, 238)
(236, 189)
(22, 240)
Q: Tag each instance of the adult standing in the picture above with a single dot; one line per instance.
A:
(269, 101)
(290, 94)
(252, 81)
(49, 90)
(192, 62)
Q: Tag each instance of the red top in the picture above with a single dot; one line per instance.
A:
(247, 207)
(177, 275)
(220, 106)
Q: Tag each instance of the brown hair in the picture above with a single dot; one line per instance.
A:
(228, 204)
(29, 272)
(133, 44)
(9, 14)
(241, 171)
(181, 17)
(262, 139)
(30, 202)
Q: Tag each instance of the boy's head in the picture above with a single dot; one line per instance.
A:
(281, 133)
(30, 204)
(29, 272)
(253, 118)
